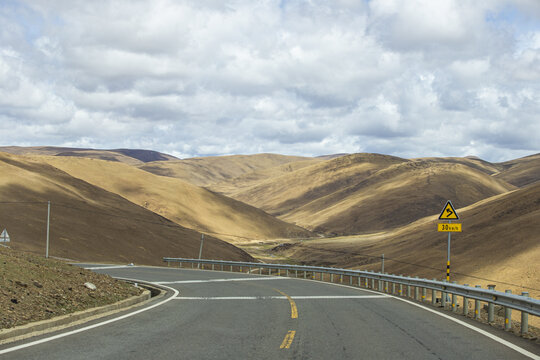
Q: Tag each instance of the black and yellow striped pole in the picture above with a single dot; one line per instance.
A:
(448, 256)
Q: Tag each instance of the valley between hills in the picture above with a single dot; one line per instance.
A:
(341, 210)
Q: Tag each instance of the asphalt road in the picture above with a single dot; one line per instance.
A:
(221, 315)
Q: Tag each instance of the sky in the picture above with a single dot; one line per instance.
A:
(409, 78)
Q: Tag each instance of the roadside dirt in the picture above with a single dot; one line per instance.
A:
(33, 288)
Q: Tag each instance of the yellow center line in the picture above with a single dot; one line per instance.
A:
(294, 309)
(288, 340)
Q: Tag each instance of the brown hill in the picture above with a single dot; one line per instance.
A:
(184, 203)
(369, 192)
(87, 222)
(205, 171)
(499, 244)
(520, 172)
(242, 183)
(282, 194)
(128, 156)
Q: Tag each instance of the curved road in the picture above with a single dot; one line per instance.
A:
(221, 315)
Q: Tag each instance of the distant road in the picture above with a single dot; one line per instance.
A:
(220, 315)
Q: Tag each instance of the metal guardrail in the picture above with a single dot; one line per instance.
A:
(490, 296)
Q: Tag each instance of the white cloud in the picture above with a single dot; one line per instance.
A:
(219, 77)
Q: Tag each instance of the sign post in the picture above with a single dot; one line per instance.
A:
(48, 228)
(448, 213)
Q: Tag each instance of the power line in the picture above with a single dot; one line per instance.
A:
(23, 202)
(175, 225)
(419, 265)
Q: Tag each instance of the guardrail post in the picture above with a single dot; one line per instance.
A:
(295, 273)
(393, 288)
(305, 274)
(260, 270)
(192, 265)
(321, 275)
(424, 294)
(433, 295)
(231, 268)
(416, 292)
(241, 270)
(400, 289)
(269, 271)
(477, 306)
(443, 299)
(454, 300)
(465, 304)
(212, 266)
(524, 317)
(350, 280)
(380, 285)
(180, 265)
(507, 315)
(287, 273)
(408, 291)
(491, 307)
(221, 267)
(341, 279)
(373, 283)
(331, 278)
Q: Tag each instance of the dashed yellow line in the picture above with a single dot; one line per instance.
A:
(288, 340)
(289, 337)
(294, 309)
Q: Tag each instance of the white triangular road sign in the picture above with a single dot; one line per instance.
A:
(4, 237)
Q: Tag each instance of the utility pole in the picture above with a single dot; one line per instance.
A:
(382, 264)
(200, 250)
(48, 227)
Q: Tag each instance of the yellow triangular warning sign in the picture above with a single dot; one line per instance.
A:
(448, 212)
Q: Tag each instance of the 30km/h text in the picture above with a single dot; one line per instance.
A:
(449, 227)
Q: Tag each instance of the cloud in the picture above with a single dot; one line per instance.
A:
(410, 78)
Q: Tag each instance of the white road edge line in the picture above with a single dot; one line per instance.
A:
(221, 280)
(316, 297)
(109, 267)
(474, 328)
(51, 338)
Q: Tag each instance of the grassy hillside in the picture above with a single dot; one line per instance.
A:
(242, 183)
(369, 192)
(185, 204)
(128, 156)
(291, 190)
(213, 169)
(87, 222)
(499, 242)
(520, 172)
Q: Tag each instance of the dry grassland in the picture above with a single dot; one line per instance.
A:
(213, 169)
(499, 244)
(127, 156)
(368, 192)
(89, 223)
(181, 202)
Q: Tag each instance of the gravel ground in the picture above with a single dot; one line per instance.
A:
(33, 288)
